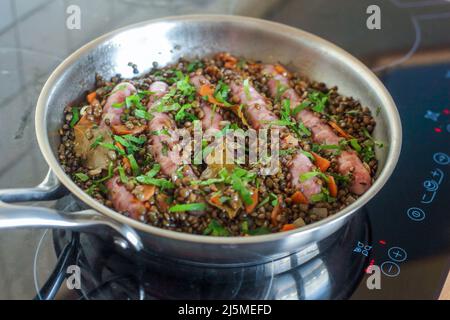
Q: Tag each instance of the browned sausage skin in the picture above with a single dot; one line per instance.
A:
(117, 97)
(259, 116)
(122, 199)
(348, 161)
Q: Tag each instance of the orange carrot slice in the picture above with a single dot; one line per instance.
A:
(279, 68)
(148, 191)
(207, 90)
(250, 207)
(288, 226)
(276, 212)
(322, 163)
(299, 198)
(126, 163)
(332, 186)
(91, 97)
(341, 131)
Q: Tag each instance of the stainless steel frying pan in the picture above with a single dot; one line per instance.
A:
(164, 41)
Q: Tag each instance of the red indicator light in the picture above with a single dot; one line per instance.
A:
(438, 130)
(446, 111)
(382, 242)
(372, 262)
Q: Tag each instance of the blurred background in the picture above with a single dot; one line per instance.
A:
(34, 39)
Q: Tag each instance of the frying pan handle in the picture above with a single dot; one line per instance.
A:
(17, 216)
(49, 189)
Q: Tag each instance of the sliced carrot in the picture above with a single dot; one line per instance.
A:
(162, 202)
(288, 226)
(126, 163)
(341, 131)
(279, 68)
(322, 163)
(276, 212)
(207, 90)
(332, 186)
(250, 207)
(230, 61)
(121, 129)
(118, 145)
(91, 97)
(148, 191)
(215, 200)
(299, 198)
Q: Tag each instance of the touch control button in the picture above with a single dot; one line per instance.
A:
(397, 254)
(390, 269)
(415, 214)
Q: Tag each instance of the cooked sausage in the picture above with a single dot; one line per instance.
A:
(119, 94)
(123, 200)
(211, 118)
(301, 164)
(259, 115)
(322, 133)
(348, 162)
(164, 137)
(255, 108)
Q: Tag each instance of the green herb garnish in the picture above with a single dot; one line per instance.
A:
(318, 100)
(134, 165)
(355, 145)
(162, 183)
(154, 170)
(309, 155)
(183, 115)
(110, 173)
(207, 182)
(188, 207)
(75, 117)
(82, 177)
(221, 93)
(122, 175)
(259, 231)
(96, 142)
(139, 113)
(214, 228)
(247, 89)
(308, 175)
(194, 65)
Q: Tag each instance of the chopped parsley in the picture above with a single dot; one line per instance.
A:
(139, 113)
(153, 171)
(134, 166)
(318, 100)
(96, 142)
(183, 115)
(247, 89)
(308, 175)
(162, 183)
(214, 228)
(194, 65)
(122, 175)
(355, 145)
(75, 117)
(188, 207)
(110, 173)
(221, 93)
(82, 176)
(130, 142)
